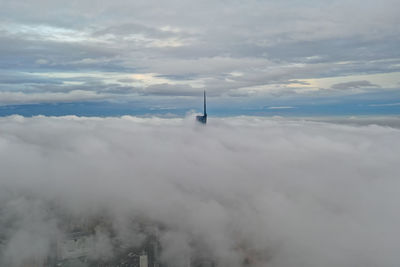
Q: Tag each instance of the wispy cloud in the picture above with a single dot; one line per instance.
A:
(353, 85)
(385, 105)
(280, 107)
(7, 98)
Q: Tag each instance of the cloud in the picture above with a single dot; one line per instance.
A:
(129, 38)
(171, 90)
(385, 105)
(280, 107)
(7, 98)
(353, 85)
(273, 192)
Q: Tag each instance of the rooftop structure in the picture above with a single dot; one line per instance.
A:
(203, 119)
(143, 260)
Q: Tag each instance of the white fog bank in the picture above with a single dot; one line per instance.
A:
(277, 192)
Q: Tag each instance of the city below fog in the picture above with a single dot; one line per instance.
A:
(239, 191)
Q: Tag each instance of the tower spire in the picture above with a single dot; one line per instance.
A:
(203, 119)
(205, 105)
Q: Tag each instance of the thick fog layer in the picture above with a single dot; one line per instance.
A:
(270, 192)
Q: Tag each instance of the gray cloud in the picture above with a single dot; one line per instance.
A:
(171, 90)
(74, 95)
(204, 41)
(353, 85)
(281, 192)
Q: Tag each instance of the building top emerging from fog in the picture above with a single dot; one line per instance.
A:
(203, 119)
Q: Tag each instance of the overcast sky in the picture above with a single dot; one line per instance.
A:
(152, 52)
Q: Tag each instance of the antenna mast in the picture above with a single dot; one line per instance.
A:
(205, 106)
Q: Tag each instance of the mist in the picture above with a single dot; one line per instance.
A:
(266, 191)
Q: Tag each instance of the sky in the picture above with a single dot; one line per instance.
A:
(111, 58)
(282, 192)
